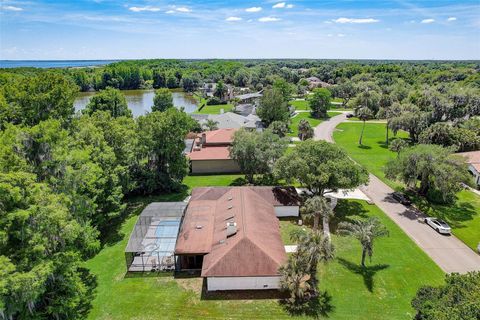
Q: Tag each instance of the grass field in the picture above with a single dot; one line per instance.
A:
(215, 109)
(463, 216)
(383, 290)
(306, 115)
(303, 105)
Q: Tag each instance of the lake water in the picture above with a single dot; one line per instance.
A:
(53, 63)
(141, 101)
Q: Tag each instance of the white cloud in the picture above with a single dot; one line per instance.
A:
(289, 6)
(279, 5)
(352, 20)
(254, 9)
(146, 8)
(451, 19)
(183, 9)
(233, 19)
(12, 8)
(269, 19)
(340, 35)
(170, 11)
(428, 21)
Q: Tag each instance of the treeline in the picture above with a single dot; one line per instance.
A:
(63, 180)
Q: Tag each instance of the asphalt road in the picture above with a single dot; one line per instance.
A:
(448, 252)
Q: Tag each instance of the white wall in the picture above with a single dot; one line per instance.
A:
(243, 283)
(286, 211)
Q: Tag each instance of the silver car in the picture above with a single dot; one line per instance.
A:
(439, 225)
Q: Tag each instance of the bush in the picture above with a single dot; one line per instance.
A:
(214, 101)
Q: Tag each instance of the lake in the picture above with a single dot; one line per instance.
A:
(141, 101)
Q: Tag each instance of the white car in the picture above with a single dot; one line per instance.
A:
(439, 225)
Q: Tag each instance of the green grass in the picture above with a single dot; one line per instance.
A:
(215, 109)
(306, 115)
(385, 289)
(463, 216)
(393, 269)
(303, 105)
(374, 153)
(211, 180)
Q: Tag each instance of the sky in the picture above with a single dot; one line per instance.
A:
(324, 29)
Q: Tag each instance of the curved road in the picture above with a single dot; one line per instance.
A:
(448, 252)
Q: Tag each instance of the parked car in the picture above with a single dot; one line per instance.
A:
(403, 199)
(349, 115)
(439, 225)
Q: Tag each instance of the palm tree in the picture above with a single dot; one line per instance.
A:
(211, 125)
(315, 247)
(315, 208)
(305, 131)
(363, 114)
(295, 280)
(364, 231)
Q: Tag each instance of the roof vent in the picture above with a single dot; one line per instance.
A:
(231, 228)
(199, 227)
(230, 207)
(230, 198)
(230, 217)
(221, 241)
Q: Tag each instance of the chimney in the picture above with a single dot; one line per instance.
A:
(203, 140)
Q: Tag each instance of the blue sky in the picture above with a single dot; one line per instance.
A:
(133, 29)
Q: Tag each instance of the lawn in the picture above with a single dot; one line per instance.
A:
(385, 289)
(305, 115)
(303, 105)
(463, 216)
(215, 109)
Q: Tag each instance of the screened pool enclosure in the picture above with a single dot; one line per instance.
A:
(152, 243)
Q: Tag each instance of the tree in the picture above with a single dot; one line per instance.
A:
(363, 114)
(41, 246)
(285, 88)
(163, 100)
(221, 90)
(305, 131)
(458, 298)
(111, 100)
(446, 135)
(411, 119)
(161, 163)
(295, 279)
(440, 173)
(319, 102)
(48, 95)
(397, 145)
(210, 125)
(367, 97)
(320, 166)
(280, 128)
(317, 207)
(256, 152)
(273, 107)
(313, 247)
(346, 90)
(365, 231)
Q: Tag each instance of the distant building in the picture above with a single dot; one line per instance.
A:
(209, 88)
(314, 82)
(232, 236)
(245, 109)
(473, 160)
(249, 98)
(211, 152)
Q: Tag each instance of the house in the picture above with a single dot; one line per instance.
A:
(209, 88)
(230, 120)
(473, 160)
(249, 97)
(232, 236)
(211, 152)
(245, 109)
(314, 82)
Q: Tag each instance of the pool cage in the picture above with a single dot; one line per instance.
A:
(152, 242)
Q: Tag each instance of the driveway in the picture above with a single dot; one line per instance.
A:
(449, 253)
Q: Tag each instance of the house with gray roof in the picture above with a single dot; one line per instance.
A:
(230, 120)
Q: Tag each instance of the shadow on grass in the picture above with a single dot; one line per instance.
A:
(148, 274)
(364, 147)
(382, 144)
(347, 211)
(316, 307)
(367, 272)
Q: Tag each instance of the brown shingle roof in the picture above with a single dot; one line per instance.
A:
(255, 250)
(210, 153)
(472, 158)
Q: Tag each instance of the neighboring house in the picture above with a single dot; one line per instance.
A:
(249, 98)
(314, 82)
(473, 160)
(209, 88)
(245, 109)
(211, 153)
(232, 234)
(230, 120)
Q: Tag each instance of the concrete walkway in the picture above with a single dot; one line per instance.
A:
(448, 252)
